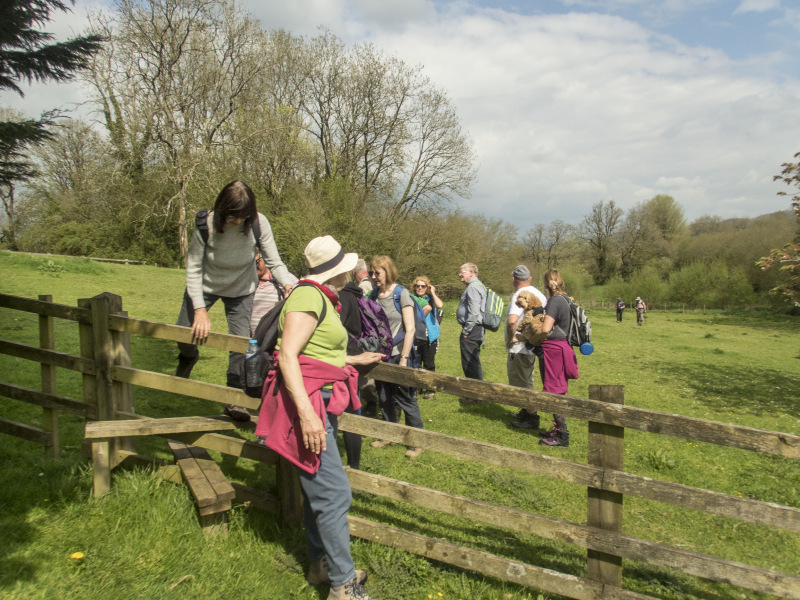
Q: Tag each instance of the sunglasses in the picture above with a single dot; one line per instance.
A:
(417, 285)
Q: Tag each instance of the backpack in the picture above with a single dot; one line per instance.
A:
(494, 312)
(376, 335)
(201, 224)
(580, 327)
(266, 334)
(432, 319)
(420, 333)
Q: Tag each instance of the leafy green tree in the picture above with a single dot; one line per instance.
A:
(28, 54)
(787, 259)
(666, 215)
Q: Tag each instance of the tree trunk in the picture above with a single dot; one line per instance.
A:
(183, 238)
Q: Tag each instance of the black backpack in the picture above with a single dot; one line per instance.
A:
(266, 334)
(201, 224)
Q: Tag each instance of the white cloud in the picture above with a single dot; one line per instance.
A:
(569, 109)
(747, 6)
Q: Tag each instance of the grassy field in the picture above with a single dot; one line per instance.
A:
(142, 540)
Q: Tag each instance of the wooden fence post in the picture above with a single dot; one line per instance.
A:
(289, 492)
(124, 391)
(606, 449)
(98, 343)
(47, 341)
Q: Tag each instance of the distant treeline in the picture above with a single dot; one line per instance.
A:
(334, 140)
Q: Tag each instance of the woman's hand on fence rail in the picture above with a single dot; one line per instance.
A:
(201, 324)
(367, 358)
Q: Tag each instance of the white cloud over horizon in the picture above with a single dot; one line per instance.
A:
(573, 107)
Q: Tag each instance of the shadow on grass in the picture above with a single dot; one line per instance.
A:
(31, 489)
(729, 389)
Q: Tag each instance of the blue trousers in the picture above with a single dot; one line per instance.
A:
(326, 500)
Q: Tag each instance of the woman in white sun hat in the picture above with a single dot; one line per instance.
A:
(313, 384)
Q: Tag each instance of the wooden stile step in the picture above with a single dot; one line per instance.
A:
(211, 490)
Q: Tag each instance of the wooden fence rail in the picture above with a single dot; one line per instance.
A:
(113, 425)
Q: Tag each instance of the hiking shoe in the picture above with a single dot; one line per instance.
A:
(380, 444)
(561, 438)
(352, 590)
(463, 400)
(237, 413)
(318, 573)
(548, 433)
(526, 420)
(185, 365)
(413, 452)
(428, 395)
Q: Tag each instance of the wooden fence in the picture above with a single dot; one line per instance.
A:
(108, 380)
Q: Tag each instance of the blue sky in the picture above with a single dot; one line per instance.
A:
(575, 101)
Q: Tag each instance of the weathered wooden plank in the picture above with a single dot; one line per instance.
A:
(47, 341)
(222, 487)
(31, 396)
(724, 434)
(604, 508)
(176, 333)
(224, 444)
(126, 459)
(123, 390)
(215, 523)
(257, 498)
(745, 509)
(110, 429)
(629, 547)
(26, 432)
(229, 445)
(50, 357)
(50, 309)
(217, 507)
(186, 387)
(201, 489)
(489, 564)
(101, 466)
(291, 496)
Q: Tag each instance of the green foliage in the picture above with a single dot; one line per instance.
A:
(660, 459)
(143, 539)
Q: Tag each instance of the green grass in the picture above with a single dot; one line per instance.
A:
(142, 540)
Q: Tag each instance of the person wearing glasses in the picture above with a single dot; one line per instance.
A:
(222, 268)
(398, 305)
(425, 295)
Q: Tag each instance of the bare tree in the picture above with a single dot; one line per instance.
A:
(383, 126)
(597, 229)
(172, 78)
(534, 245)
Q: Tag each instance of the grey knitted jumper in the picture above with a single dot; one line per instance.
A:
(226, 265)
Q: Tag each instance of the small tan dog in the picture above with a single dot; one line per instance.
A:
(529, 327)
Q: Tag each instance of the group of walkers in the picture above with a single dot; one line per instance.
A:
(639, 306)
(233, 258)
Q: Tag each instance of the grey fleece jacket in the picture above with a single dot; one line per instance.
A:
(226, 265)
